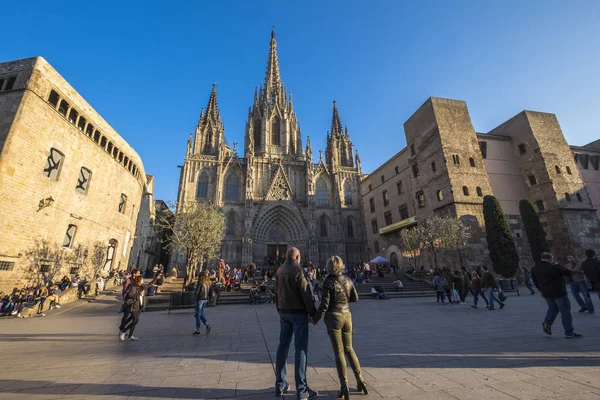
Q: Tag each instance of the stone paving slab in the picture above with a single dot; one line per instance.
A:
(409, 349)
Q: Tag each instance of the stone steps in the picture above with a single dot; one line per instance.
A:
(160, 302)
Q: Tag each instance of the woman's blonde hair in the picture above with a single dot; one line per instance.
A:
(335, 265)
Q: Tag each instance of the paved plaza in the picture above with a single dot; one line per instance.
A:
(409, 349)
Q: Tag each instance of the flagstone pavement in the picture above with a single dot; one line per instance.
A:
(408, 348)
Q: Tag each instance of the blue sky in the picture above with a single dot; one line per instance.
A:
(147, 66)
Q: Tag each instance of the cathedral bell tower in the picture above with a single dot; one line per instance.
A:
(272, 128)
(208, 136)
(339, 151)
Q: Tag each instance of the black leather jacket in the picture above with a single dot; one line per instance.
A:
(338, 291)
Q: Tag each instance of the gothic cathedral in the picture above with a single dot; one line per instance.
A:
(275, 196)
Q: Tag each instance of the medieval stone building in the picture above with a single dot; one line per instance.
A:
(274, 196)
(447, 168)
(71, 187)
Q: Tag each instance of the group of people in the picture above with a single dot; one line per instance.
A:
(453, 287)
(550, 279)
(32, 296)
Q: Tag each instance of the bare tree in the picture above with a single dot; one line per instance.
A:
(454, 237)
(412, 241)
(197, 229)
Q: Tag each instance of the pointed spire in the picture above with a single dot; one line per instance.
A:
(346, 132)
(212, 109)
(272, 76)
(336, 123)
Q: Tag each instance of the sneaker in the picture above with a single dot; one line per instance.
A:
(583, 309)
(57, 306)
(196, 332)
(122, 336)
(279, 393)
(134, 338)
(208, 329)
(14, 312)
(547, 328)
(573, 335)
(462, 302)
(501, 306)
(308, 394)
(51, 308)
(474, 306)
(591, 312)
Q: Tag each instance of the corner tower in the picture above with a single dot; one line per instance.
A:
(209, 130)
(272, 127)
(339, 148)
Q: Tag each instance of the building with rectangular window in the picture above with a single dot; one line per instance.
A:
(447, 168)
(71, 186)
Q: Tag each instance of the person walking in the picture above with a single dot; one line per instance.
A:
(204, 292)
(489, 283)
(338, 292)
(579, 285)
(548, 277)
(528, 281)
(133, 303)
(295, 305)
(477, 290)
(438, 287)
(591, 267)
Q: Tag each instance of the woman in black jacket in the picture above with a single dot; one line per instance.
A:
(338, 291)
(133, 302)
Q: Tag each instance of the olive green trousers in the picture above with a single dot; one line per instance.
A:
(339, 328)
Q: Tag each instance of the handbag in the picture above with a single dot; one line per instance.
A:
(502, 296)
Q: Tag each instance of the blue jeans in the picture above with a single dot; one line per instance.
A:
(562, 305)
(576, 288)
(476, 294)
(199, 313)
(296, 325)
(492, 298)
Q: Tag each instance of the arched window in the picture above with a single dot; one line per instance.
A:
(208, 142)
(276, 131)
(202, 188)
(323, 226)
(568, 196)
(231, 224)
(579, 198)
(557, 168)
(471, 162)
(257, 135)
(232, 187)
(110, 254)
(322, 192)
(568, 170)
(479, 192)
(347, 193)
(440, 195)
(350, 228)
(465, 190)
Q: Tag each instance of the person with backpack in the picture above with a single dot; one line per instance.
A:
(438, 287)
(204, 291)
(133, 301)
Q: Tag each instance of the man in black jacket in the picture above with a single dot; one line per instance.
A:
(548, 277)
(591, 268)
(295, 304)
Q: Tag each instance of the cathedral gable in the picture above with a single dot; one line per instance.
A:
(280, 187)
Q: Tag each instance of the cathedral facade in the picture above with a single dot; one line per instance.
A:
(274, 196)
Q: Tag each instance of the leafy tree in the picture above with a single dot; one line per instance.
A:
(536, 236)
(503, 252)
(197, 228)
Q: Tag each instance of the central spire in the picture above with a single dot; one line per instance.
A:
(336, 122)
(272, 77)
